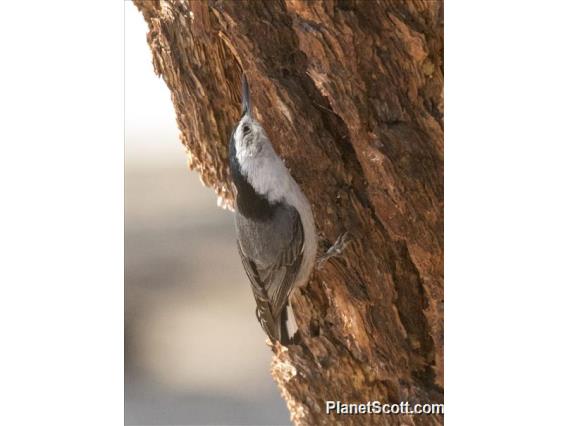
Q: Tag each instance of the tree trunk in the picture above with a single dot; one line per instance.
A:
(351, 95)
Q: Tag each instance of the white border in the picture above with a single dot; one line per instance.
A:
(61, 177)
(506, 212)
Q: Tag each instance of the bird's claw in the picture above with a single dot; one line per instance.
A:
(335, 250)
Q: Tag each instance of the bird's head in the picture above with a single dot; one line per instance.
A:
(250, 137)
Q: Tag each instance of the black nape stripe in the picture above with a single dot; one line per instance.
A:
(249, 203)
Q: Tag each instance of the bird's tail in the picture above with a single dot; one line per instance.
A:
(284, 336)
(288, 327)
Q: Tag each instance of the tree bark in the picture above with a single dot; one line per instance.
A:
(351, 95)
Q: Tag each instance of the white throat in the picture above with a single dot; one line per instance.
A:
(265, 171)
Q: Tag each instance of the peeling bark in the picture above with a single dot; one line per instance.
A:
(351, 95)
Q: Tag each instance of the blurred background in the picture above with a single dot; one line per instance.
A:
(194, 352)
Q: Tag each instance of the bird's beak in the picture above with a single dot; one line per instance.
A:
(246, 105)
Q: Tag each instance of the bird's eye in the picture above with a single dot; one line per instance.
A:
(246, 129)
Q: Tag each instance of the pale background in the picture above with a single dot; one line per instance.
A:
(194, 352)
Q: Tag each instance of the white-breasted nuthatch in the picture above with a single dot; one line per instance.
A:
(276, 235)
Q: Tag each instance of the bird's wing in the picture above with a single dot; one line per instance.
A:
(272, 271)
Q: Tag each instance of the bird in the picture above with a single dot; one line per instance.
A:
(276, 235)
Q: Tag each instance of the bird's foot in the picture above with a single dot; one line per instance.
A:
(335, 250)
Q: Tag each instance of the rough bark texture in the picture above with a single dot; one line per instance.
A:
(351, 95)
